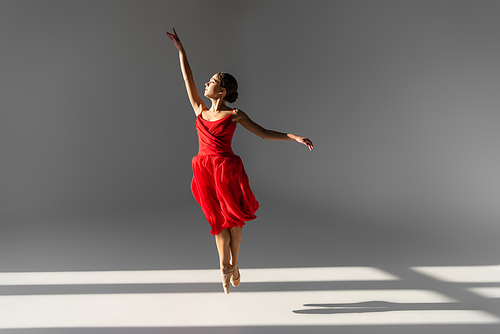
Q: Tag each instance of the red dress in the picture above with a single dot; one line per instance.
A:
(220, 184)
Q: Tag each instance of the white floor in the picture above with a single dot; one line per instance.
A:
(392, 304)
(137, 274)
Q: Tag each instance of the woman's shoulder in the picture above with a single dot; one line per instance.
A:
(238, 112)
(237, 115)
(201, 108)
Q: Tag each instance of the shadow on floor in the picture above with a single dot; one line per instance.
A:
(383, 306)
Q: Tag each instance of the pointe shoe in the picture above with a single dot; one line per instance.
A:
(236, 271)
(227, 275)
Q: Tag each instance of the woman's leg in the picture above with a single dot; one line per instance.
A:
(235, 244)
(223, 240)
(235, 250)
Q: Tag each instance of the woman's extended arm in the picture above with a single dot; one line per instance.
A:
(194, 98)
(243, 119)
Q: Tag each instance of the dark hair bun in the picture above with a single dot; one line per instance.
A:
(231, 97)
(230, 84)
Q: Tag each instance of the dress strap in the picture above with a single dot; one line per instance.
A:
(201, 112)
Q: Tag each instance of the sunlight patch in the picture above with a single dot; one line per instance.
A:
(462, 274)
(493, 293)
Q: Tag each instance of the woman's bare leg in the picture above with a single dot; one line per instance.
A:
(235, 244)
(223, 240)
(235, 250)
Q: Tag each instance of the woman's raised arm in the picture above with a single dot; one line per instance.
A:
(187, 74)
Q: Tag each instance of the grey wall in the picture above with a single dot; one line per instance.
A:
(400, 98)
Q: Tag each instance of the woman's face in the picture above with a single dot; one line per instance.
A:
(213, 88)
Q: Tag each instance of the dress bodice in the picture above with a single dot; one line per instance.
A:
(215, 137)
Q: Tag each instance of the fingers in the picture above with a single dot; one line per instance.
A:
(173, 36)
(309, 144)
(306, 141)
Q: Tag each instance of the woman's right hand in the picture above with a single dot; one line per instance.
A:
(175, 39)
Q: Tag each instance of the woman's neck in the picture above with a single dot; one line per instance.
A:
(218, 105)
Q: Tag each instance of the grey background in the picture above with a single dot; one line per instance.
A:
(400, 98)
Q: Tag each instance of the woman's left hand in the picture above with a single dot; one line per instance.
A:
(305, 141)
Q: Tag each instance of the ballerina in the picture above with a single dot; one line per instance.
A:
(220, 184)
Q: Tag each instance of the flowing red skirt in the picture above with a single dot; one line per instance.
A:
(220, 186)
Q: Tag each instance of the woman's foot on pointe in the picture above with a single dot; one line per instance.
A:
(235, 278)
(227, 275)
